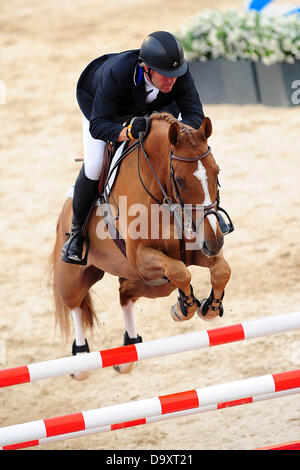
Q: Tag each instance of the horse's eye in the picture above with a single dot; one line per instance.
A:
(180, 182)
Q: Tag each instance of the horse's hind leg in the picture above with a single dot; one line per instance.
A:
(71, 286)
(79, 314)
(80, 344)
(128, 297)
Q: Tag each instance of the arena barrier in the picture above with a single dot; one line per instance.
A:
(154, 419)
(150, 349)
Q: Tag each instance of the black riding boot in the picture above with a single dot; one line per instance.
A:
(85, 193)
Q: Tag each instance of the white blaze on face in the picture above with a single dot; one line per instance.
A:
(200, 173)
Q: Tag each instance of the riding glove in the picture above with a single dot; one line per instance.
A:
(137, 125)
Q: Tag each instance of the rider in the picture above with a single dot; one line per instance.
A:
(114, 89)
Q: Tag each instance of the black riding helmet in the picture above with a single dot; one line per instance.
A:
(162, 52)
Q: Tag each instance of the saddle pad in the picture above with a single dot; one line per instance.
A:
(115, 158)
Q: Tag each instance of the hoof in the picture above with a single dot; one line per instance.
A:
(207, 312)
(208, 316)
(124, 368)
(177, 314)
(185, 307)
(80, 376)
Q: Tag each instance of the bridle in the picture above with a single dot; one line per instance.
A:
(173, 184)
(210, 209)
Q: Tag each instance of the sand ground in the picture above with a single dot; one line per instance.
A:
(45, 45)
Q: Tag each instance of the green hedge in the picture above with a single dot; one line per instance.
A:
(235, 35)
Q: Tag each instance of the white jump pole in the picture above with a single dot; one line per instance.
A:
(147, 408)
(150, 349)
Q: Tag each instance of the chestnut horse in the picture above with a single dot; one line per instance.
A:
(170, 168)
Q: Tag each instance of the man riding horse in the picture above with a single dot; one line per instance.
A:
(121, 88)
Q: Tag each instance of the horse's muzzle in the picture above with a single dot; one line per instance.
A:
(212, 247)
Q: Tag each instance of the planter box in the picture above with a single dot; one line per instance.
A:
(275, 83)
(224, 81)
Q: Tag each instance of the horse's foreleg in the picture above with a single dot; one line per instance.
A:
(219, 275)
(153, 264)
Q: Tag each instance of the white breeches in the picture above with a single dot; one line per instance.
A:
(93, 151)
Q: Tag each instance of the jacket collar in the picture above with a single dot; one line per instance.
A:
(139, 90)
(138, 75)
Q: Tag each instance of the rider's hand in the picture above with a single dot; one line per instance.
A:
(137, 125)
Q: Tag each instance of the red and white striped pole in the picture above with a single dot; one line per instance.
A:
(150, 349)
(295, 445)
(148, 408)
(154, 419)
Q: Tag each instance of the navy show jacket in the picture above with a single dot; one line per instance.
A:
(111, 90)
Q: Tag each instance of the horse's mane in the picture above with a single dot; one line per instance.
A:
(167, 117)
(187, 134)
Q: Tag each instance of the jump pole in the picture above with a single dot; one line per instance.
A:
(148, 408)
(150, 349)
(167, 416)
(294, 445)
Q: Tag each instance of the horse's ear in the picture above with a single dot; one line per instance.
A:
(174, 131)
(205, 128)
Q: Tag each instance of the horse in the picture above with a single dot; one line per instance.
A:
(170, 168)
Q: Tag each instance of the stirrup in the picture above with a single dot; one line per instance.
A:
(66, 247)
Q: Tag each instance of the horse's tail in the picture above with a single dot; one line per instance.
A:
(61, 310)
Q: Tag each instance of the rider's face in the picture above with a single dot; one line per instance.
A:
(164, 84)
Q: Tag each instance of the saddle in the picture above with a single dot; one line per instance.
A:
(109, 152)
(104, 190)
